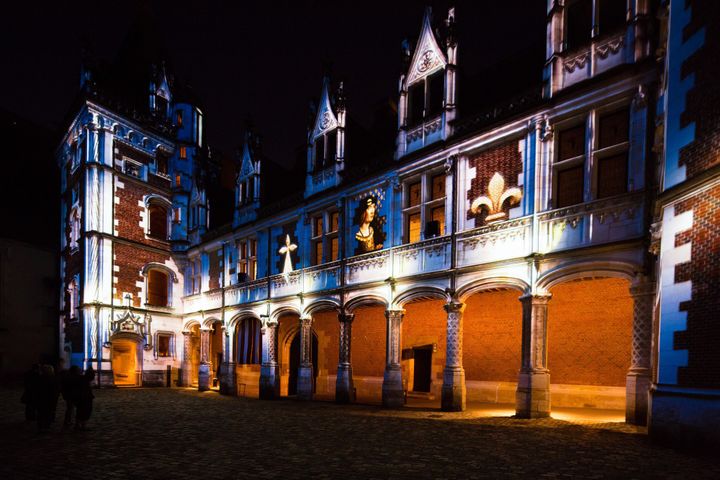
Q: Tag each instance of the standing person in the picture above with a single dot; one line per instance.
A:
(31, 381)
(84, 399)
(48, 393)
(68, 383)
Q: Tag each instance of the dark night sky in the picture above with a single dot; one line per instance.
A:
(261, 59)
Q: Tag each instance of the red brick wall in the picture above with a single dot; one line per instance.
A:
(425, 323)
(506, 160)
(702, 335)
(327, 329)
(590, 332)
(492, 336)
(703, 100)
(368, 341)
(130, 260)
(127, 211)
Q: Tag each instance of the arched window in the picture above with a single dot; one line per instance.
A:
(158, 222)
(249, 342)
(157, 288)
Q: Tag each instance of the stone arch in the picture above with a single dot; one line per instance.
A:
(365, 301)
(587, 270)
(424, 292)
(210, 321)
(285, 310)
(491, 283)
(189, 324)
(321, 304)
(235, 320)
(160, 266)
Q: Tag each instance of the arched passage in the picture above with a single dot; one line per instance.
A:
(289, 352)
(368, 350)
(589, 342)
(423, 343)
(248, 355)
(492, 342)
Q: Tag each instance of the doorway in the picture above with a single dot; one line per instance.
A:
(422, 369)
(124, 362)
(295, 362)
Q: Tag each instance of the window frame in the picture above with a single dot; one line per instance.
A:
(246, 263)
(155, 200)
(427, 115)
(426, 205)
(325, 237)
(590, 159)
(172, 345)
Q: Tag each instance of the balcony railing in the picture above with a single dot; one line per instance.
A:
(602, 221)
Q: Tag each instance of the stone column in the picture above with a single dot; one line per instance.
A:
(228, 378)
(453, 388)
(638, 377)
(269, 370)
(205, 372)
(186, 367)
(533, 390)
(393, 392)
(344, 390)
(305, 371)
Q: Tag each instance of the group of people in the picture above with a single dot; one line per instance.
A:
(43, 388)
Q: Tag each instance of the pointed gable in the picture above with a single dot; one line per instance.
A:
(428, 57)
(247, 165)
(326, 119)
(163, 89)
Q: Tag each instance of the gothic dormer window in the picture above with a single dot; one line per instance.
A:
(427, 92)
(425, 98)
(324, 135)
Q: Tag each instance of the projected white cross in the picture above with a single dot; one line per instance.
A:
(286, 250)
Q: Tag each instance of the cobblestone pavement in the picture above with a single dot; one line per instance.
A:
(179, 434)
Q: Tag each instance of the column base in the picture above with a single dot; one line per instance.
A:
(269, 382)
(344, 389)
(393, 393)
(454, 393)
(204, 375)
(228, 379)
(305, 383)
(185, 371)
(532, 399)
(637, 395)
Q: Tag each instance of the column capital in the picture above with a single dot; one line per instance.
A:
(187, 333)
(306, 319)
(394, 313)
(642, 285)
(536, 298)
(345, 317)
(454, 306)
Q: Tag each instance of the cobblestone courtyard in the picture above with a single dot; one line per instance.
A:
(178, 434)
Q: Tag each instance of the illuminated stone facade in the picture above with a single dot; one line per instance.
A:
(524, 258)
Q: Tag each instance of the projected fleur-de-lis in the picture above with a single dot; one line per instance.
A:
(286, 250)
(496, 197)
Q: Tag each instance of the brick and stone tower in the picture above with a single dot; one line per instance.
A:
(129, 161)
(685, 398)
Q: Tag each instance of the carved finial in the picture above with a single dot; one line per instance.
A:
(286, 250)
(640, 98)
